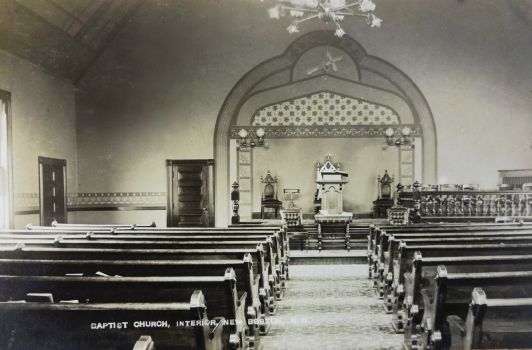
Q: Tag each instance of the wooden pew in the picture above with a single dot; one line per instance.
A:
(450, 294)
(374, 231)
(389, 246)
(227, 230)
(407, 252)
(273, 257)
(63, 326)
(424, 270)
(491, 323)
(260, 268)
(378, 238)
(220, 234)
(279, 237)
(384, 275)
(273, 274)
(93, 226)
(276, 262)
(228, 302)
(256, 311)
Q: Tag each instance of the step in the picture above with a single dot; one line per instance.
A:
(328, 257)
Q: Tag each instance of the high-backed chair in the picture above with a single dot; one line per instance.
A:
(269, 195)
(384, 199)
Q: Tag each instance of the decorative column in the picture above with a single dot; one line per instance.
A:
(235, 198)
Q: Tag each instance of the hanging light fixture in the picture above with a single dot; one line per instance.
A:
(328, 11)
(252, 138)
(392, 138)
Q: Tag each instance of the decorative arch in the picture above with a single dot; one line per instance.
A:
(278, 76)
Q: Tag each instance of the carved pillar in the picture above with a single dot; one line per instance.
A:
(235, 198)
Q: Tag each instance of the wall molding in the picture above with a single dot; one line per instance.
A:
(316, 131)
(28, 203)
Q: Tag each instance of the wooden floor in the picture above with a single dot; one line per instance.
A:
(330, 307)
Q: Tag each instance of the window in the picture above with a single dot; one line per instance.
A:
(5, 176)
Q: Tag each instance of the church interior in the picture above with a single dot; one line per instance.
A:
(265, 154)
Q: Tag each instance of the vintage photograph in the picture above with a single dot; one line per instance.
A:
(265, 174)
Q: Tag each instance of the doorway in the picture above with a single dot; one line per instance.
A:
(190, 192)
(52, 190)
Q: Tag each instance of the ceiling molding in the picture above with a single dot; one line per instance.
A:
(62, 36)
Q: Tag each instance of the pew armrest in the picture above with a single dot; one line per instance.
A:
(242, 298)
(217, 329)
(457, 332)
(145, 342)
(456, 325)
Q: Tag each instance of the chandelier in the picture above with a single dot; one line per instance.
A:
(328, 11)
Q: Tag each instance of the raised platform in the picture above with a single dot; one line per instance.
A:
(328, 257)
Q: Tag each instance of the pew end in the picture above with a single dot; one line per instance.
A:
(492, 324)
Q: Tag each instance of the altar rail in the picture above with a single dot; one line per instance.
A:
(468, 203)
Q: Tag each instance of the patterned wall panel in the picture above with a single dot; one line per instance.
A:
(117, 199)
(29, 202)
(325, 109)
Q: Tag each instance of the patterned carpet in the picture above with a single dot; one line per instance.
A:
(330, 307)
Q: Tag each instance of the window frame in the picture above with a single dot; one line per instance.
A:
(5, 96)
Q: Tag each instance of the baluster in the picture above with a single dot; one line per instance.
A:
(463, 208)
(487, 203)
(423, 206)
(439, 205)
(451, 206)
(482, 199)
(529, 204)
(457, 211)
(504, 205)
(493, 208)
(429, 206)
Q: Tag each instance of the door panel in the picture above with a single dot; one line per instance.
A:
(52, 186)
(190, 195)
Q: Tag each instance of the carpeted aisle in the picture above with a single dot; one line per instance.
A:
(330, 307)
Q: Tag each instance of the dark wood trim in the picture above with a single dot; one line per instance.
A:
(52, 161)
(189, 161)
(28, 212)
(117, 208)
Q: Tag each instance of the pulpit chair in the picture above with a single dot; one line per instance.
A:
(269, 195)
(384, 200)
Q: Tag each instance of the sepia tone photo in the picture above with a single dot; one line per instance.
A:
(265, 174)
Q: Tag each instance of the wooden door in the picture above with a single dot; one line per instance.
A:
(52, 190)
(190, 192)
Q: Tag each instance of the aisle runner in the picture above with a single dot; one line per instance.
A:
(330, 307)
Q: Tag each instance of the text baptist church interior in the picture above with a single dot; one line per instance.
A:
(265, 174)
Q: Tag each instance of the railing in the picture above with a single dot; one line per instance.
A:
(469, 203)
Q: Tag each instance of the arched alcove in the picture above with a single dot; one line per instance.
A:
(364, 85)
